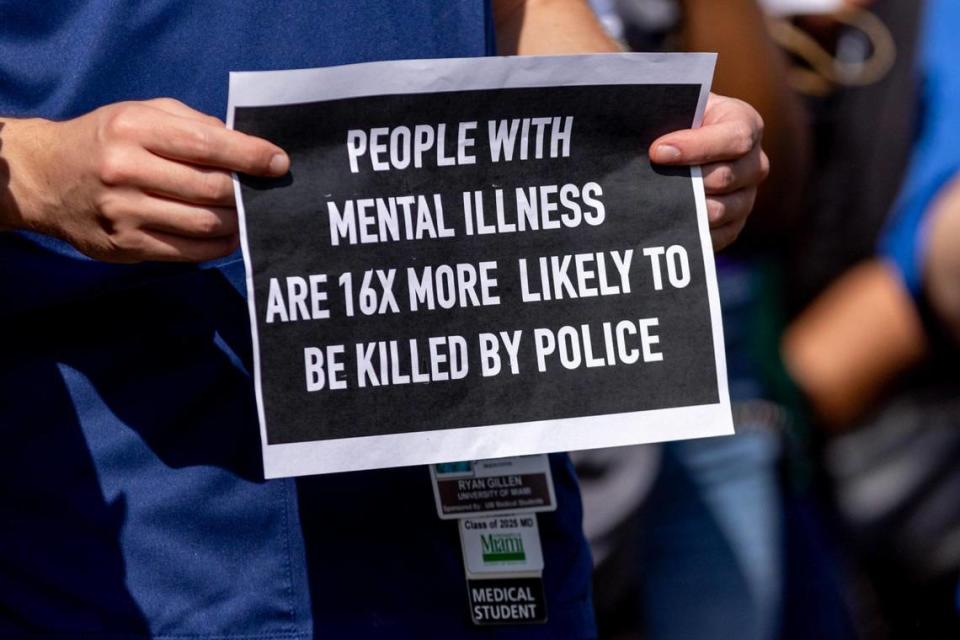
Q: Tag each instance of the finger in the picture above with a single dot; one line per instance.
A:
(164, 247)
(719, 142)
(732, 207)
(177, 108)
(158, 176)
(725, 235)
(727, 177)
(182, 219)
(731, 128)
(202, 143)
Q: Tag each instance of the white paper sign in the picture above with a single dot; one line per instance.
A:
(475, 259)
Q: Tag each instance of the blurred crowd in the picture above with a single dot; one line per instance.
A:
(835, 510)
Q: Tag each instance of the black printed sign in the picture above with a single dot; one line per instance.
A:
(444, 260)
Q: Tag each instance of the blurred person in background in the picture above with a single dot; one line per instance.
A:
(689, 537)
(876, 351)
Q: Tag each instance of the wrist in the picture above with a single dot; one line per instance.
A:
(25, 145)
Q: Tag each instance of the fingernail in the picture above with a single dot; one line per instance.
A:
(279, 164)
(666, 153)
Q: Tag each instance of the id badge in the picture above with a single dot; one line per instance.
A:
(488, 487)
(503, 562)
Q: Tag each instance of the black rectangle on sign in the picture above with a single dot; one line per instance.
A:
(507, 601)
(288, 233)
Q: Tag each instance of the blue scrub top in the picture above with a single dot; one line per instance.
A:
(132, 500)
(936, 155)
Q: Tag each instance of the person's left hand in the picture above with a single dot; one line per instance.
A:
(734, 164)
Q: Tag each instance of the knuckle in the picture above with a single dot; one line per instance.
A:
(743, 138)
(110, 211)
(207, 187)
(214, 120)
(751, 114)
(122, 122)
(723, 177)
(716, 210)
(215, 187)
(198, 143)
(114, 167)
(126, 241)
(107, 247)
(107, 222)
(169, 102)
(123, 242)
(764, 166)
(208, 224)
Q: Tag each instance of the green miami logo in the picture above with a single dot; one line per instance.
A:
(502, 547)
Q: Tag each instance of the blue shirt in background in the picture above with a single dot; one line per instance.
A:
(936, 156)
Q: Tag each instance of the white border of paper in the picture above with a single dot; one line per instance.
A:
(267, 88)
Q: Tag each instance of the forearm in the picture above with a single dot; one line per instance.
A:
(942, 265)
(750, 67)
(546, 27)
(852, 341)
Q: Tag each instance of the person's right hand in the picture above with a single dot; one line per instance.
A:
(132, 181)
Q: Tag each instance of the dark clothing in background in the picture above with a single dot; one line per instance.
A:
(862, 142)
(893, 477)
